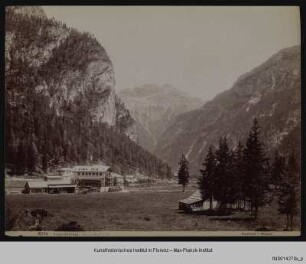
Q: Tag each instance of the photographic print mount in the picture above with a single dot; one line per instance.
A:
(84, 166)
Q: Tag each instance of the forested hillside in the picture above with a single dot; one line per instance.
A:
(61, 107)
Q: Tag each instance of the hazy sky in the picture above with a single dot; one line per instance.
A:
(202, 50)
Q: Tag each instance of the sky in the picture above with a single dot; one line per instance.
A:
(198, 49)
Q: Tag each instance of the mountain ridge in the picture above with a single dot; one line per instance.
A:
(154, 107)
(265, 92)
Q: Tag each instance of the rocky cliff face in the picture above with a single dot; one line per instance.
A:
(153, 108)
(61, 107)
(66, 65)
(270, 92)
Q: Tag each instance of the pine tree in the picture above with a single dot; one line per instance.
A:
(289, 192)
(223, 174)
(183, 173)
(239, 175)
(233, 180)
(32, 158)
(206, 181)
(21, 163)
(255, 169)
(278, 169)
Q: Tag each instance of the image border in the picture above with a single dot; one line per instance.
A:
(74, 237)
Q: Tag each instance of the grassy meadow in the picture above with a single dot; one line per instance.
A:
(141, 209)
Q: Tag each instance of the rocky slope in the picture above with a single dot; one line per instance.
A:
(270, 92)
(66, 64)
(153, 108)
(61, 105)
(36, 11)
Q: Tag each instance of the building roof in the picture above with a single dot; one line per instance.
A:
(46, 184)
(37, 184)
(61, 182)
(61, 185)
(116, 175)
(66, 169)
(193, 198)
(90, 178)
(99, 168)
(14, 183)
(52, 177)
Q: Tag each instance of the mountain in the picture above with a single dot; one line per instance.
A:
(30, 11)
(61, 106)
(154, 107)
(271, 92)
(64, 63)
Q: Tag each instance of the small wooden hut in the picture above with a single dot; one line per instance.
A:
(195, 202)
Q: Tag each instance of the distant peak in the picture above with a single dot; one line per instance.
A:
(285, 54)
(149, 90)
(29, 10)
(294, 49)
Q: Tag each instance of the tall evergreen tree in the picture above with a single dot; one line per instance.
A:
(278, 169)
(183, 173)
(206, 181)
(32, 158)
(255, 169)
(21, 165)
(239, 175)
(223, 174)
(289, 192)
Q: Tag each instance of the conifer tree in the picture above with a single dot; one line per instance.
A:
(255, 169)
(239, 175)
(183, 173)
(32, 158)
(233, 180)
(223, 174)
(278, 169)
(289, 192)
(22, 160)
(206, 181)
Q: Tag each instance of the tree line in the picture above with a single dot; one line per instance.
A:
(243, 178)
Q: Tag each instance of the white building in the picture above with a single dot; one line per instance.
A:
(96, 177)
(94, 170)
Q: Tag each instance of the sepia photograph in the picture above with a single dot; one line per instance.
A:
(141, 121)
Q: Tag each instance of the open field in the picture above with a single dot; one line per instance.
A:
(145, 209)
